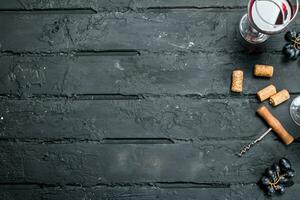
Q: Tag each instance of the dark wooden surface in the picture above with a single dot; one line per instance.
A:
(130, 99)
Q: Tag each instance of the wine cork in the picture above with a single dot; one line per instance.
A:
(263, 70)
(279, 97)
(266, 92)
(237, 81)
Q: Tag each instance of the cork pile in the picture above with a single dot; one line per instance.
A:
(269, 92)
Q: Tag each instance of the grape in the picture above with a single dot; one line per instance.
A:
(265, 180)
(271, 174)
(275, 167)
(287, 46)
(297, 52)
(289, 51)
(279, 176)
(283, 180)
(270, 190)
(290, 173)
(290, 35)
(285, 164)
(280, 188)
(289, 183)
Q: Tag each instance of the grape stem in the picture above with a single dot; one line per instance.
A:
(296, 42)
(274, 184)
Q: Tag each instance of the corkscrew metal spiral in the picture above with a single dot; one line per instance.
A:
(246, 148)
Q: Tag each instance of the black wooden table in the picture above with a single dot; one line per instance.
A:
(130, 99)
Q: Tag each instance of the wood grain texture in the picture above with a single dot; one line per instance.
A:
(171, 30)
(148, 73)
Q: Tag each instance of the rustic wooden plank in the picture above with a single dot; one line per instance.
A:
(90, 164)
(172, 73)
(122, 193)
(177, 118)
(169, 30)
(105, 5)
(236, 192)
(239, 192)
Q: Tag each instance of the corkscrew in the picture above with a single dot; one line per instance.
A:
(274, 125)
(247, 147)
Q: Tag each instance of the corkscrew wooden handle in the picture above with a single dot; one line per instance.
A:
(275, 125)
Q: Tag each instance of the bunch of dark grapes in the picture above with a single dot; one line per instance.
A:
(292, 49)
(277, 177)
